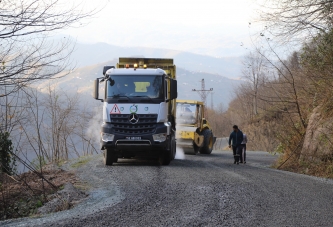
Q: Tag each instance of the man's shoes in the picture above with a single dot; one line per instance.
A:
(237, 163)
(244, 162)
(240, 162)
(234, 162)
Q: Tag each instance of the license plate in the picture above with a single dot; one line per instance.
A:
(133, 138)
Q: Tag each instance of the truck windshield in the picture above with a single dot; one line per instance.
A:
(186, 113)
(135, 86)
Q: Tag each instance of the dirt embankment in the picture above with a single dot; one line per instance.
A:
(316, 157)
(90, 177)
(26, 194)
(22, 195)
(318, 138)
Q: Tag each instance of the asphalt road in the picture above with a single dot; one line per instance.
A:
(201, 190)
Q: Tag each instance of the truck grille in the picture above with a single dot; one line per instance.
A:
(121, 125)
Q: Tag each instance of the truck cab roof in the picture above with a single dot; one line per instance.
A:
(137, 71)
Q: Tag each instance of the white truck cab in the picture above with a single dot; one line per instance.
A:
(138, 110)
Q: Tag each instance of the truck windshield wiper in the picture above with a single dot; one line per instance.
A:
(121, 96)
(143, 96)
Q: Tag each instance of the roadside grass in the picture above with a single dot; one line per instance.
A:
(81, 161)
(61, 162)
(318, 168)
(82, 186)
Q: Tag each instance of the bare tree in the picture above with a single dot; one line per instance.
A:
(12, 110)
(294, 18)
(254, 73)
(218, 120)
(57, 126)
(26, 53)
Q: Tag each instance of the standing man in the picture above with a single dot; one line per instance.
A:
(237, 138)
(243, 154)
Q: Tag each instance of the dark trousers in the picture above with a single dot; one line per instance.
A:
(242, 156)
(237, 150)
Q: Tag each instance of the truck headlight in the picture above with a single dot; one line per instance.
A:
(106, 137)
(160, 137)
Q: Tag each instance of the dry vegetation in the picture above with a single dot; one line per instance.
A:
(22, 195)
(36, 128)
(285, 104)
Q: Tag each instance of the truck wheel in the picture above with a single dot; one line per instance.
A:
(168, 154)
(207, 147)
(165, 158)
(173, 146)
(109, 158)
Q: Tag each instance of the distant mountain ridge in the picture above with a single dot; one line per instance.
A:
(91, 54)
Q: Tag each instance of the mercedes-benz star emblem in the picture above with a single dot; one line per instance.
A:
(133, 118)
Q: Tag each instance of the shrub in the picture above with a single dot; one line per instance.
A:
(7, 160)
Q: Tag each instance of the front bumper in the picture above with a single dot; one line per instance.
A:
(121, 145)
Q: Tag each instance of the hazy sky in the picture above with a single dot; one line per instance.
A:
(212, 27)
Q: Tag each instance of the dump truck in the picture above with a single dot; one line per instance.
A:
(139, 109)
(194, 134)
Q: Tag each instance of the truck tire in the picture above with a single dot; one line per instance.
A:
(208, 143)
(165, 158)
(168, 154)
(173, 146)
(109, 158)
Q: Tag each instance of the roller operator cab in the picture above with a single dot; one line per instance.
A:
(138, 109)
(194, 132)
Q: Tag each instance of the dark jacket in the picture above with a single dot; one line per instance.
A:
(236, 138)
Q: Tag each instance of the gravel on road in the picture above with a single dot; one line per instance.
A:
(201, 190)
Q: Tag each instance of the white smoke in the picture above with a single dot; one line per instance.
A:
(179, 153)
(94, 126)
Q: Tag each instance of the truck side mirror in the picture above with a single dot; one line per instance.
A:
(173, 92)
(106, 68)
(96, 90)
